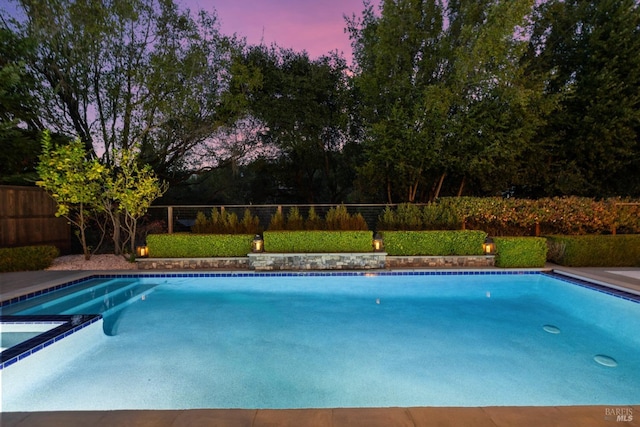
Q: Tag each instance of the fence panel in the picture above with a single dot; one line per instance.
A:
(27, 217)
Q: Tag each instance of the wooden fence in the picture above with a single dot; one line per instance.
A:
(27, 218)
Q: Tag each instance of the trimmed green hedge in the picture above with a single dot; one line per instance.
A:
(27, 258)
(520, 252)
(595, 251)
(434, 243)
(312, 241)
(186, 245)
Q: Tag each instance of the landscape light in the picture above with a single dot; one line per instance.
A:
(142, 251)
(378, 243)
(257, 245)
(488, 247)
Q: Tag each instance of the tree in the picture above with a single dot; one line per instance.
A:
(130, 190)
(590, 52)
(120, 74)
(443, 93)
(74, 182)
(301, 106)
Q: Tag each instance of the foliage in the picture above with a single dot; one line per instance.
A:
(294, 219)
(300, 104)
(119, 74)
(590, 52)
(132, 188)
(338, 218)
(439, 215)
(27, 258)
(595, 251)
(313, 221)
(317, 241)
(224, 222)
(277, 221)
(433, 243)
(74, 182)
(443, 93)
(558, 215)
(187, 245)
(520, 252)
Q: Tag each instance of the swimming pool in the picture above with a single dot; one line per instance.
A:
(338, 340)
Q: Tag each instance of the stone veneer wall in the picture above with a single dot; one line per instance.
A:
(316, 261)
(320, 261)
(440, 261)
(235, 263)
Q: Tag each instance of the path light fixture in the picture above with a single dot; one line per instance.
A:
(257, 245)
(142, 251)
(378, 243)
(489, 247)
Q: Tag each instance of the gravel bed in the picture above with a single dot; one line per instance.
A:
(97, 262)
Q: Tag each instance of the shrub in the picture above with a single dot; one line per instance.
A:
(250, 223)
(294, 219)
(440, 216)
(595, 251)
(277, 221)
(223, 222)
(338, 218)
(434, 243)
(387, 220)
(186, 245)
(409, 217)
(313, 221)
(520, 252)
(318, 241)
(27, 258)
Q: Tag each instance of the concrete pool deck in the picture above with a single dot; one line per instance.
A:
(16, 284)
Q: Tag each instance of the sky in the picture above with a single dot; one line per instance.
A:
(316, 26)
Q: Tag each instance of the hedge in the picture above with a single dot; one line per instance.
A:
(187, 245)
(595, 251)
(312, 241)
(27, 258)
(434, 243)
(520, 252)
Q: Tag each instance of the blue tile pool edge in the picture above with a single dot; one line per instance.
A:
(70, 325)
(45, 291)
(584, 282)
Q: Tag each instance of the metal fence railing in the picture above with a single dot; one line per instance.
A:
(182, 218)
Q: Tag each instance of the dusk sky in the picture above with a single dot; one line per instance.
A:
(316, 26)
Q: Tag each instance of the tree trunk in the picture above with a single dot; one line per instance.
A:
(437, 192)
(461, 188)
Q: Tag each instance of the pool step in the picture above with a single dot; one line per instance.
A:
(74, 297)
(93, 300)
(110, 300)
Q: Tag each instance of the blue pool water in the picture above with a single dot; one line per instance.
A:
(337, 341)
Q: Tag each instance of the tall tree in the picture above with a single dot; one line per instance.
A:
(443, 93)
(117, 74)
(590, 50)
(301, 105)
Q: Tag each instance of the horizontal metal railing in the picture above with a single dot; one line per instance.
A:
(181, 218)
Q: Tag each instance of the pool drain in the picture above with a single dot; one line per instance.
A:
(551, 329)
(605, 360)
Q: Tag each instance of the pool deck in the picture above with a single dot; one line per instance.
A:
(16, 284)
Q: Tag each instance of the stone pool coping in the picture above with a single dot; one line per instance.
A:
(583, 416)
